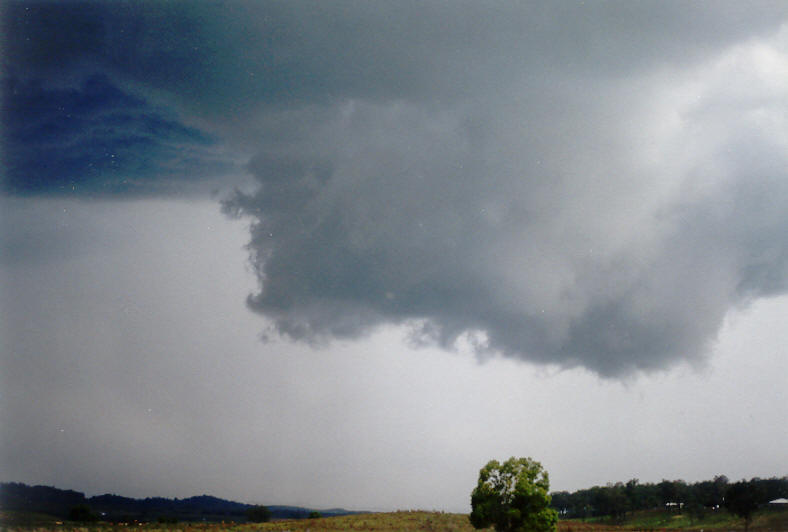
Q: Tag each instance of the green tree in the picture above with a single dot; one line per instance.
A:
(82, 513)
(513, 497)
(314, 514)
(258, 514)
(742, 499)
(695, 510)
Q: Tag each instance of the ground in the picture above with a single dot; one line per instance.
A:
(403, 520)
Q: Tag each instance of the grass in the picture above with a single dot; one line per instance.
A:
(409, 520)
(382, 522)
(413, 520)
(659, 519)
(765, 520)
(25, 520)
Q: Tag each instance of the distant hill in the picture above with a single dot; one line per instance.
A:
(15, 496)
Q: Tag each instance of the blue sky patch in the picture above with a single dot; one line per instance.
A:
(98, 139)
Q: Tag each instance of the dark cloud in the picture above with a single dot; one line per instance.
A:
(546, 228)
(222, 60)
(574, 184)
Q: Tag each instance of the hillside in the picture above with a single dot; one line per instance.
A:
(18, 497)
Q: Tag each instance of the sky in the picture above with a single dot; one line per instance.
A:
(342, 254)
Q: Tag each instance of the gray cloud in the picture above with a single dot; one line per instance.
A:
(604, 222)
(304, 52)
(599, 186)
(568, 184)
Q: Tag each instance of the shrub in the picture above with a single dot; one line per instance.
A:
(258, 514)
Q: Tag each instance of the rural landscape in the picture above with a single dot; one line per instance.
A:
(391, 265)
(716, 505)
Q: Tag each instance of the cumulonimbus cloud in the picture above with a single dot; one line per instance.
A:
(609, 224)
(568, 184)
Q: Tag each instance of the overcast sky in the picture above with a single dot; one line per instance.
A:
(344, 253)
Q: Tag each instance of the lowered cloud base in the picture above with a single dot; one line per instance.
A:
(568, 185)
(608, 223)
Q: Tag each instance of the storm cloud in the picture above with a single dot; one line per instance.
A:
(541, 235)
(606, 218)
(568, 184)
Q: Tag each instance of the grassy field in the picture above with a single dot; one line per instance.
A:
(775, 521)
(410, 520)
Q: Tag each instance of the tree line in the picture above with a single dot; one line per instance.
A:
(616, 500)
(513, 497)
(75, 506)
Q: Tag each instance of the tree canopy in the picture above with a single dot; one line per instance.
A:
(742, 499)
(82, 513)
(258, 514)
(513, 497)
(696, 499)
